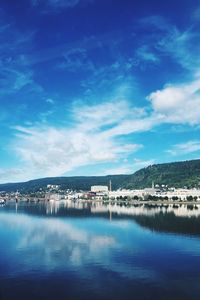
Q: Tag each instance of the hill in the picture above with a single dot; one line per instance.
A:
(176, 174)
(74, 183)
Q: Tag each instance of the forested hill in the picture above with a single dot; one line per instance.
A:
(176, 174)
(74, 183)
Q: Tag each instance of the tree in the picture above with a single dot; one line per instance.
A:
(189, 198)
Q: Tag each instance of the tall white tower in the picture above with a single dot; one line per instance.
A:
(110, 186)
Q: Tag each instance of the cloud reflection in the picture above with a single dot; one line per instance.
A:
(51, 243)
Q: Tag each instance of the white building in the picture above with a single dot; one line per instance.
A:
(125, 193)
(99, 189)
(52, 186)
(182, 194)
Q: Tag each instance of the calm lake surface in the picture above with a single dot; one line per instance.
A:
(65, 250)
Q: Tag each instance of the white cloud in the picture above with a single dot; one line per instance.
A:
(178, 103)
(49, 151)
(129, 126)
(97, 132)
(185, 148)
(95, 116)
(52, 235)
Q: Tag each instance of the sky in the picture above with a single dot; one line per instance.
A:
(97, 87)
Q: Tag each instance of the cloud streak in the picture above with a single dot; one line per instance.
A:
(97, 132)
(56, 151)
(185, 148)
(99, 128)
(57, 5)
(167, 40)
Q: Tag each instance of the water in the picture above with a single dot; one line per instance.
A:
(95, 251)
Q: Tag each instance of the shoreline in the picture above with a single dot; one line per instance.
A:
(130, 202)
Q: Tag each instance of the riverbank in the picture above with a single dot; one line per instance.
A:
(129, 202)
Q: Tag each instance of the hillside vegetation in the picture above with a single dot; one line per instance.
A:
(176, 174)
(73, 183)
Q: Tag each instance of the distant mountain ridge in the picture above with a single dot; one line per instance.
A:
(74, 183)
(176, 174)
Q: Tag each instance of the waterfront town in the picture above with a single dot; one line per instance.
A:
(105, 193)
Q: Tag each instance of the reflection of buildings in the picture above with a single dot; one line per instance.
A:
(149, 210)
(56, 197)
(181, 210)
(53, 207)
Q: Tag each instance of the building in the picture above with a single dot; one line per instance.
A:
(52, 186)
(99, 188)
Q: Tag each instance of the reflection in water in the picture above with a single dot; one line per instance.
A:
(185, 210)
(67, 250)
(51, 237)
(174, 218)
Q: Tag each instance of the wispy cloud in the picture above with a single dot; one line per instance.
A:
(12, 80)
(50, 101)
(73, 53)
(185, 148)
(140, 163)
(77, 244)
(145, 54)
(98, 127)
(57, 5)
(97, 132)
(56, 151)
(15, 73)
(126, 169)
(167, 39)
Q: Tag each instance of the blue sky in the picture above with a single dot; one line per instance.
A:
(96, 87)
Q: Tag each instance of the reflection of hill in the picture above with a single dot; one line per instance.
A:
(170, 223)
(181, 219)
